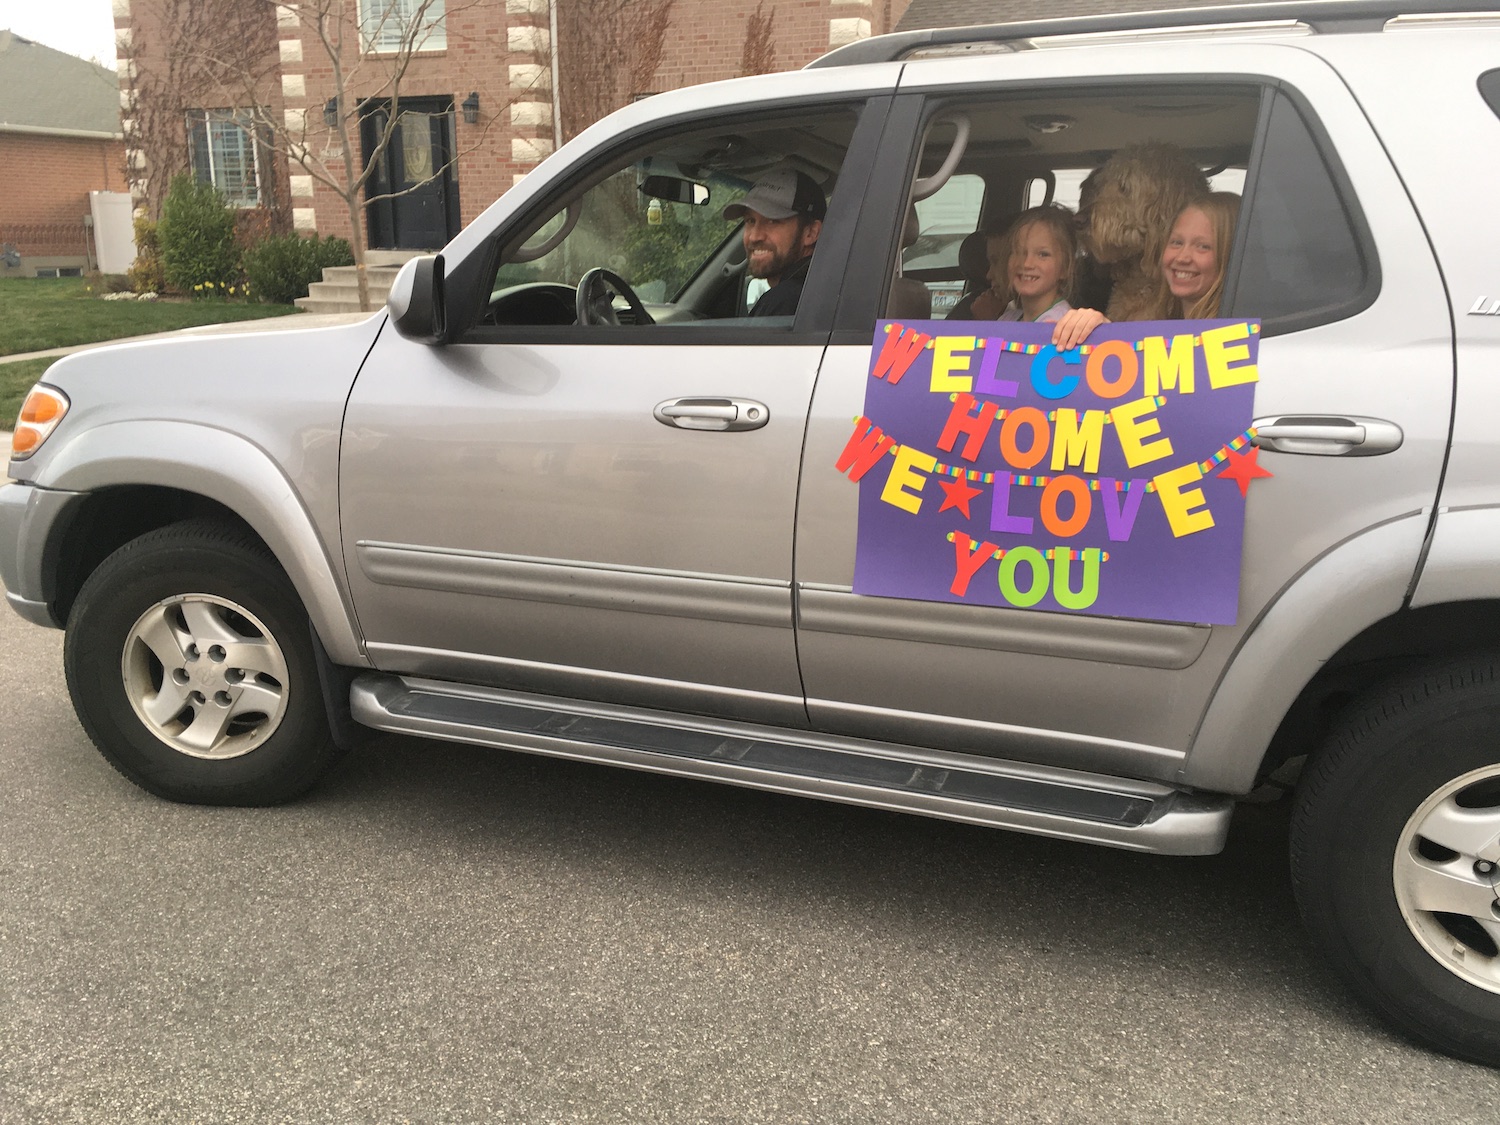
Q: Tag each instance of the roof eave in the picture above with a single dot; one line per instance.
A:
(57, 131)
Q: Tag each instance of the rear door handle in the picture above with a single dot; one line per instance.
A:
(1325, 435)
(712, 413)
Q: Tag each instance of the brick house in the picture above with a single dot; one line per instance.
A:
(60, 139)
(481, 103)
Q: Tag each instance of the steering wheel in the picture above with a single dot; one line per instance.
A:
(597, 291)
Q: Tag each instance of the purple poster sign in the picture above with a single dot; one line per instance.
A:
(1109, 480)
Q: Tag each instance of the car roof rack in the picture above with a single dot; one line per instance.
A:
(1325, 17)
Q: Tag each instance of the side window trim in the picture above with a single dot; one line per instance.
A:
(872, 258)
(1343, 188)
(1247, 198)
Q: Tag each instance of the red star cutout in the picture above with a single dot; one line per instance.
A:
(958, 493)
(1242, 468)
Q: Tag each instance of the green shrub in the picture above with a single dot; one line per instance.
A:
(279, 269)
(145, 272)
(198, 254)
(98, 284)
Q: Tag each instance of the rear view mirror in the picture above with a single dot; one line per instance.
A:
(674, 189)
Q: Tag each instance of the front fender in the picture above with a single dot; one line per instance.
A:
(1356, 584)
(224, 467)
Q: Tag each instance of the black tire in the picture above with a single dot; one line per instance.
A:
(261, 756)
(1355, 827)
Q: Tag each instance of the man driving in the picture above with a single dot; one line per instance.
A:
(783, 216)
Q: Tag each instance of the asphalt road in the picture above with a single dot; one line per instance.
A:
(447, 934)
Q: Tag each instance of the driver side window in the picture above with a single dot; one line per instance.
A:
(654, 242)
(646, 236)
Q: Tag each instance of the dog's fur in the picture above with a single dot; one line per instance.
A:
(1132, 200)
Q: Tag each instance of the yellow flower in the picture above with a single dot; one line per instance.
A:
(198, 288)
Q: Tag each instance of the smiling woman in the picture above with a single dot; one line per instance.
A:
(1193, 262)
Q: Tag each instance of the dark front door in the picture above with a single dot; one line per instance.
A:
(413, 190)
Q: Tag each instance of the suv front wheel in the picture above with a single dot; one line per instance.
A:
(190, 663)
(1396, 854)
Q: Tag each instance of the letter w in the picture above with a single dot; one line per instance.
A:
(902, 346)
(867, 445)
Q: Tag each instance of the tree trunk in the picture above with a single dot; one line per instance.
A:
(356, 228)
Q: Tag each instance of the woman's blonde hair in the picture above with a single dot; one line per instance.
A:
(1059, 223)
(1222, 209)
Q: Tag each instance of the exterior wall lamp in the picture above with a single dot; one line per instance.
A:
(471, 108)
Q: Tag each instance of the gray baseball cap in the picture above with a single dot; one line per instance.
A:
(781, 194)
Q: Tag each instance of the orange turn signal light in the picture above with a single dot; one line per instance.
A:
(39, 409)
(40, 413)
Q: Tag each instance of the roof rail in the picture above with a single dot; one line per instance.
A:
(1323, 16)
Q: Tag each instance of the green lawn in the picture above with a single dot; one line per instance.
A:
(38, 313)
(15, 381)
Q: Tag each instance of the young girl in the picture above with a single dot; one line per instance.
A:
(1192, 265)
(1034, 268)
(1192, 269)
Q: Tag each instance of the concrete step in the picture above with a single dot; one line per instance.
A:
(345, 290)
(339, 290)
(377, 274)
(394, 257)
(323, 305)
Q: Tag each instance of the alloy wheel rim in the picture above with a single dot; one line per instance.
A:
(205, 676)
(1447, 876)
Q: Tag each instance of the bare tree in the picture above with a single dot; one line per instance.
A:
(759, 56)
(368, 60)
(181, 75)
(612, 49)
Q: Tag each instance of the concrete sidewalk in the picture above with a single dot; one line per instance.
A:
(268, 324)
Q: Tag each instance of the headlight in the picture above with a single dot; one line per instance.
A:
(40, 413)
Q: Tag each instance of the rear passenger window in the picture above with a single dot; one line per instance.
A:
(1303, 260)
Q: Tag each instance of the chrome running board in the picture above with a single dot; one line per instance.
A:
(1136, 815)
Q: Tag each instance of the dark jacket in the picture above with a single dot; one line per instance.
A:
(781, 299)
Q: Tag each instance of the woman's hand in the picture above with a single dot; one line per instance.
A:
(1075, 326)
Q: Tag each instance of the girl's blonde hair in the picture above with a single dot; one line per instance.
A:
(1222, 209)
(1059, 223)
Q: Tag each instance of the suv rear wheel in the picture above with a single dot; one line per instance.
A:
(1396, 855)
(189, 659)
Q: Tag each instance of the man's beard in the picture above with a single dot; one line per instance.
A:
(776, 265)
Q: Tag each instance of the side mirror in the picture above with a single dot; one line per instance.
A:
(674, 189)
(415, 302)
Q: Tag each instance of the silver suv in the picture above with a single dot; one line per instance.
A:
(564, 496)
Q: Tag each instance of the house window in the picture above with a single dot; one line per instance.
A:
(395, 25)
(221, 147)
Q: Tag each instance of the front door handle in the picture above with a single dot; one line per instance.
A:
(1325, 435)
(712, 413)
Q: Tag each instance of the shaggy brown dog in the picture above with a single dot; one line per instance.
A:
(1129, 203)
